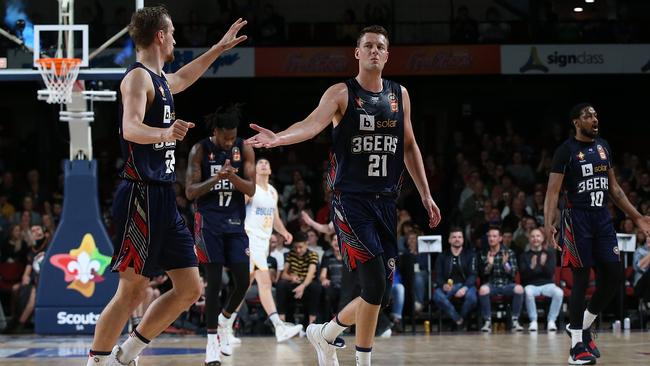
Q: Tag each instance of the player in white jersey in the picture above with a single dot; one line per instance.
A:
(261, 218)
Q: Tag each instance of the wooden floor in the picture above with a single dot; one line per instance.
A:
(446, 349)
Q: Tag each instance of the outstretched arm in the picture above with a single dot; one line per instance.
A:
(415, 166)
(333, 100)
(189, 73)
(620, 200)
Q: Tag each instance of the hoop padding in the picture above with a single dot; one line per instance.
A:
(59, 75)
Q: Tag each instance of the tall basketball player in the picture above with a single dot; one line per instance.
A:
(583, 169)
(221, 171)
(372, 142)
(151, 237)
(261, 218)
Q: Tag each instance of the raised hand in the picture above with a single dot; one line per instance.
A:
(177, 130)
(230, 39)
(264, 137)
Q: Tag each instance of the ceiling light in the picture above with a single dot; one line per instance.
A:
(578, 9)
(590, 1)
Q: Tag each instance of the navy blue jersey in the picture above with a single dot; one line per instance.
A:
(367, 152)
(224, 205)
(585, 166)
(151, 162)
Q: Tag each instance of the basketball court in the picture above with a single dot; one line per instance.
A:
(446, 349)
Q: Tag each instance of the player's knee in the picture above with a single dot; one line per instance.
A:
(519, 290)
(373, 293)
(484, 290)
(190, 292)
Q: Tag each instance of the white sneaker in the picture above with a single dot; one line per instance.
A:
(326, 351)
(551, 326)
(234, 341)
(418, 306)
(212, 355)
(387, 333)
(223, 335)
(532, 327)
(516, 326)
(487, 326)
(114, 358)
(286, 331)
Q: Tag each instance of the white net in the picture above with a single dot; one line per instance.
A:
(59, 75)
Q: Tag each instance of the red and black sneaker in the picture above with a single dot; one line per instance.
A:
(579, 355)
(588, 338)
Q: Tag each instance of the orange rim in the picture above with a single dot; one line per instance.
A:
(57, 63)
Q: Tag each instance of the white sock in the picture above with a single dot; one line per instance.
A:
(588, 319)
(97, 360)
(275, 319)
(331, 330)
(576, 336)
(363, 356)
(212, 338)
(132, 347)
(223, 321)
(231, 320)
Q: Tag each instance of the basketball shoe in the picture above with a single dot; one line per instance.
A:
(580, 355)
(286, 331)
(325, 351)
(212, 357)
(588, 339)
(114, 358)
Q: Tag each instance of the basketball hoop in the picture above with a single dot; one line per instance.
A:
(59, 75)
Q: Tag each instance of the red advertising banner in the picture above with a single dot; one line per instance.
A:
(444, 60)
(307, 61)
(408, 60)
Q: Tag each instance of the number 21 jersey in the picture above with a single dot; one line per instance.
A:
(367, 154)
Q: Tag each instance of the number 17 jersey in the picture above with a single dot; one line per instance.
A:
(367, 154)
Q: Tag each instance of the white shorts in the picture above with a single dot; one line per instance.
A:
(259, 252)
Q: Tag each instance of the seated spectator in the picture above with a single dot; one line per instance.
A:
(28, 210)
(420, 270)
(397, 293)
(331, 275)
(25, 292)
(641, 272)
(498, 267)
(277, 251)
(520, 238)
(537, 268)
(312, 244)
(298, 280)
(294, 216)
(456, 277)
(16, 247)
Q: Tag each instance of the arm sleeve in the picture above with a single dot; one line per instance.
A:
(561, 159)
(313, 258)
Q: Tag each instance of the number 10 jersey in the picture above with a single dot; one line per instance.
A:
(367, 153)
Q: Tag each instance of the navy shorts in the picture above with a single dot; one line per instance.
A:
(587, 238)
(213, 246)
(366, 226)
(151, 236)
